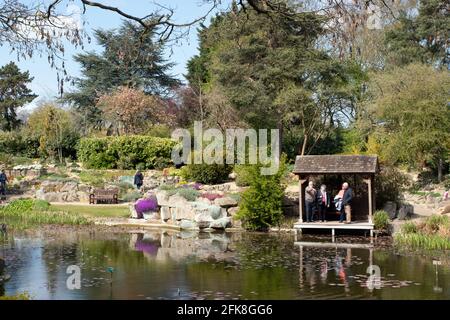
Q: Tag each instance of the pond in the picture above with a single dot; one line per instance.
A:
(172, 265)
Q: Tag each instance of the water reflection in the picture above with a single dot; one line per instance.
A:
(185, 265)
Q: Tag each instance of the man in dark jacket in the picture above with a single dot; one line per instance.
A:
(138, 179)
(323, 202)
(3, 181)
(346, 202)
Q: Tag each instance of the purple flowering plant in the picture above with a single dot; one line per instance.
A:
(146, 205)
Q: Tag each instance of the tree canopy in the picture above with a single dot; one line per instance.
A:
(14, 93)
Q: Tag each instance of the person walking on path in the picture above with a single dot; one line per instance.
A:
(139, 179)
(3, 182)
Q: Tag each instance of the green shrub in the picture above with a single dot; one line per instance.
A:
(206, 173)
(188, 193)
(242, 175)
(409, 227)
(261, 204)
(131, 196)
(17, 143)
(125, 152)
(381, 220)
(389, 185)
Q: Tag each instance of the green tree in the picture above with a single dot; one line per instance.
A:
(410, 116)
(273, 75)
(130, 58)
(261, 204)
(420, 38)
(14, 93)
(55, 129)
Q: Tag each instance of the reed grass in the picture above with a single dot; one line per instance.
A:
(431, 234)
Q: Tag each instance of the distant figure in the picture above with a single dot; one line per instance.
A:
(310, 199)
(3, 181)
(346, 203)
(138, 179)
(445, 196)
(323, 202)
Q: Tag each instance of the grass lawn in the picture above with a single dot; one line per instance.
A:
(94, 210)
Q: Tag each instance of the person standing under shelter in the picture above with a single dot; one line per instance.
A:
(323, 202)
(346, 203)
(310, 199)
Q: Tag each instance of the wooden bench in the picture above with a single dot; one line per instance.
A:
(104, 196)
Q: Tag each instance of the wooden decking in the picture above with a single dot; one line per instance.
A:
(335, 225)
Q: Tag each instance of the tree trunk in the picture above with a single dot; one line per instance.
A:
(305, 141)
(439, 169)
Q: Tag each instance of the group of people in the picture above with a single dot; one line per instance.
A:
(321, 200)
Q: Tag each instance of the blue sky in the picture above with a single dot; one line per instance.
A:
(45, 84)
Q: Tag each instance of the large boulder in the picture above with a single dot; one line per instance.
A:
(188, 225)
(50, 186)
(54, 197)
(391, 208)
(165, 213)
(133, 212)
(70, 196)
(162, 197)
(445, 209)
(225, 202)
(221, 223)
(183, 212)
(176, 201)
(405, 211)
(70, 186)
(232, 211)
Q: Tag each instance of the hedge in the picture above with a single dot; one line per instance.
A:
(125, 152)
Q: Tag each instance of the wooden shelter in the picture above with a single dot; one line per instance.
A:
(363, 166)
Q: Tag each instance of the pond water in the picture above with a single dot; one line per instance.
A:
(164, 265)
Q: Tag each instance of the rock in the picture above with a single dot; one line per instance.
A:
(185, 212)
(188, 225)
(429, 199)
(203, 217)
(232, 211)
(406, 211)
(83, 196)
(215, 212)
(162, 197)
(50, 186)
(203, 224)
(151, 215)
(177, 201)
(165, 213)
(225, 202)
(70, 196)
(54, 197)
(444, 210)
(133, 213)
(40, 194)
(84, 188)
(69, 187)
(221, 223)
(232, 175)
(391, 208)
(204, 200)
